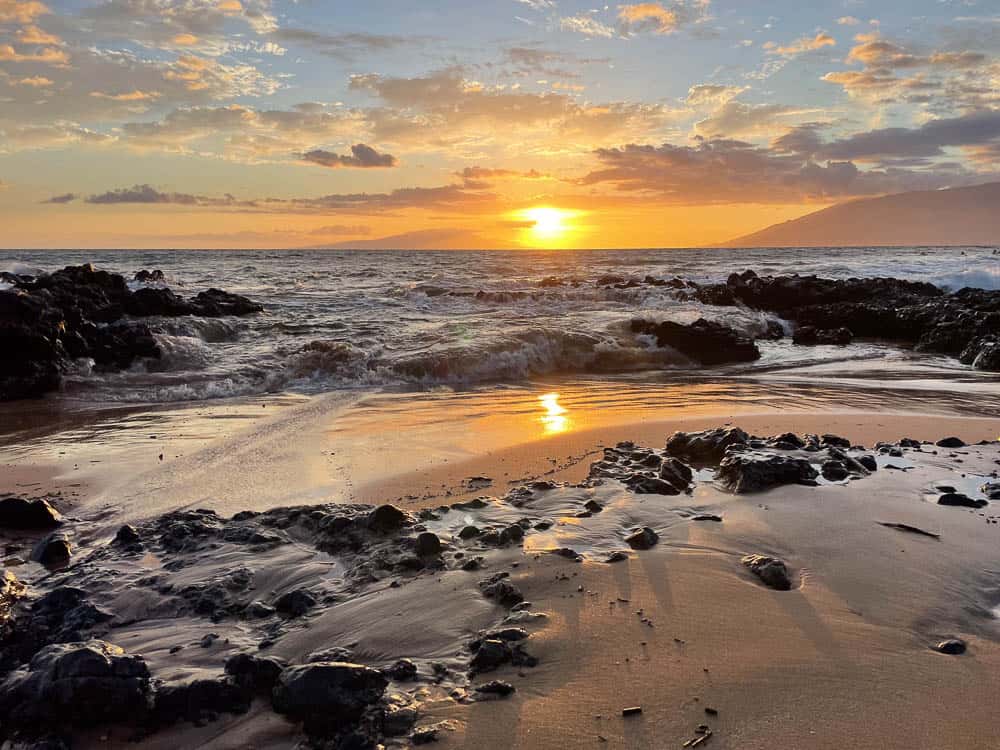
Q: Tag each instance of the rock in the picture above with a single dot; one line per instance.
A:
(11, 592)
(496, 687)
(616, 556)
(991, 490)
(295, 603)
(707, 517)
(868, 462)
(755, 471)
(18, 513)
(811, 336)
(677, 474)
(982, 353)
(258, 674)
(501, 590)
(80, 312)
(706, 342)
(403, 670)
(835, 440)
(469, 532)
(399, 720)
(644, 538)
(77, 684)
(149, 277)
(490, 655)
(425, 735)
(957, 499)
(428, 544)
(593, 506)
(325, 695)
(387, 519)
(643, 484)
(952, 647)
(834, 471)
(127, 536)
(950, 442)
(53, 551)
(788, 441)
(772, 571)
(200, 699)
(708, 446)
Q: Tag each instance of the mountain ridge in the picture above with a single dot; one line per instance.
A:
(952, 216)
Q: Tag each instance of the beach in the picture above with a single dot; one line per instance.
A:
(564, 559)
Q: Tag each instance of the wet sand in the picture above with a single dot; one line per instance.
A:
(842, 660)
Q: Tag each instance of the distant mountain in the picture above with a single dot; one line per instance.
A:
(957, 216)
(426, 239)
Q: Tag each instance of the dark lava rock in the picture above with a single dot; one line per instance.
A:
(201, 699)
(868, 462)
(952, 647)
(707, 517)
(950, 442)
(644, 538)
(496, 687)
(772, 571)
(706, 342)
(616, 556)
(676, 474)
(428, 544)
(811, 336)
(501, 590)
(258, 674)
(593, 506)
(836, 441)
(18, 513)
(127, 536)
(387, 519)
(11, 592)
(643, 484)
(403, 670)
(325, 695)
(491, 654)
(80, 311)
(755, 471)
(788, 441)
(77, 684)
(295, 603)
(708, 446)
(834, 471)
(982, 353)
(149, 277)
(469, 532)
(53, 551)
(957, 499)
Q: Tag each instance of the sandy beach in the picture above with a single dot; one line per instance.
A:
(845, 657)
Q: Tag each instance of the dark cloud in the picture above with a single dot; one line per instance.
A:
(362, 157)
(729, 171)
(148, 195)
(929, 139)
(64, 198)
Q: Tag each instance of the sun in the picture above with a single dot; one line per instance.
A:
(547, 226)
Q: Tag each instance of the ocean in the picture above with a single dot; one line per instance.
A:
(340, 320)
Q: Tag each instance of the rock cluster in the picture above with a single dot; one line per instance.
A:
(704, 341)
(81, 312)
(964, 324)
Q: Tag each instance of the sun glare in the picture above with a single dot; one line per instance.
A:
(553, 417)
(547, 226)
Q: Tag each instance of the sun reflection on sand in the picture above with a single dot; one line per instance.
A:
(554, 418)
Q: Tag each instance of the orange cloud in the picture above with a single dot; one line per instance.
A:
(21, 11)
(800, 46)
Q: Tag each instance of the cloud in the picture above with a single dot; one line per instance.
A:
(801, 46)
(658, 18)
(848, 21)
(711, 93)
(729, 171)
(362, 157)
(21, 11)
(346, 46)
(586, 25)
(481, 174)
(737, 118)
(929, 139)
(61, 199)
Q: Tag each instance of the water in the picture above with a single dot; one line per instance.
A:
(348, 320)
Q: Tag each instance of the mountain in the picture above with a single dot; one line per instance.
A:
(957, 216)
(426, 239)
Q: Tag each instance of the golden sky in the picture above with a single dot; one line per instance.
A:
(510, 123)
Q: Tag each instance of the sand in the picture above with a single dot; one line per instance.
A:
(842, 660)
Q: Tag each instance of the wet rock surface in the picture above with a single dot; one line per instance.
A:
(81, 312)
(962, 324)
(704, 341)
(756, 471)
(19, 513)
(772, 571)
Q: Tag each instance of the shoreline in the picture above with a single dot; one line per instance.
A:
(832, 662)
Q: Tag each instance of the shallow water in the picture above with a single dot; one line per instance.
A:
(339, 320)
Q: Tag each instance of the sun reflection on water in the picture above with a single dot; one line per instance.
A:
(553, 418)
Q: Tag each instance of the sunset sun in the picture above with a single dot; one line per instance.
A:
(547, 226)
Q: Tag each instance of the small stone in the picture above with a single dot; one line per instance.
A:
(18, 513)
(386, 519)
(952, 647)
(950, 442)
(53, 551)
(772, 571)
(632, 711)
(469, 532)
(403, 670)
(957, 499)
(496, 687)
(644, 538)
(127, 536)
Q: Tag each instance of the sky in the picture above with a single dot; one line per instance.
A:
(488, 124)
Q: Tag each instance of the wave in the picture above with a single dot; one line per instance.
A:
(978, 278)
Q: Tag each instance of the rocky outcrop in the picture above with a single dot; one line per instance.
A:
(962, 324)
(81, 312)
(18, 513)
(755, 471)
(704, 341)
(770, 570)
